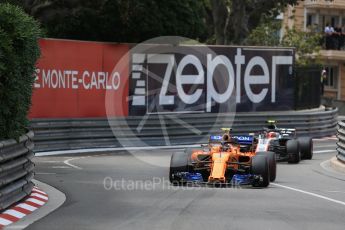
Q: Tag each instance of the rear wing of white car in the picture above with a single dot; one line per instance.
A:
(287, 132)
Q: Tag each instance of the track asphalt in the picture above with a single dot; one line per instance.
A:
(118, 190)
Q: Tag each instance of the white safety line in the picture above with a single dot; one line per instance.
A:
(325, 151)
(310, 194)
(328, 139)
(92, 150)
(336, 191)
(324, 146)
(50, 162)
(62, 152)
(61, 167)
(67, 162)
(44, 173)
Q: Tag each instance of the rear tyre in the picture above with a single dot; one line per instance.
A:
(306, 147)
(271, 157)
(292, 149)
(179, 163)
(260, 167)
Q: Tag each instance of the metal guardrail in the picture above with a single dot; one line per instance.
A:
(63, 134)
(341, 141)
(16, 169)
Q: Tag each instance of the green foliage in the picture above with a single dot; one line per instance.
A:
(213, 21)
(233, 26)
(307, 45)
(119, 20)
(13, 2)
(266, 34)
(19, 52)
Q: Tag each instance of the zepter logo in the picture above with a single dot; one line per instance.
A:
(172, 83)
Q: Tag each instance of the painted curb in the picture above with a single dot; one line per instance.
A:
(337, 165)
(56, 199)
(34, 201)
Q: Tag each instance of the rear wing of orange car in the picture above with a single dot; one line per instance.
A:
(244, 139)
(239, 139)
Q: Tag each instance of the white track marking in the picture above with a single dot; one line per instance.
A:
(61, 167)
(50, 162)
(325, 151)
(45, 173)
(92, 150)
(52, 153)
(67, 162)
(325, 146)
(324, 164)
(328, 139)
(310, 194)
(336, 191)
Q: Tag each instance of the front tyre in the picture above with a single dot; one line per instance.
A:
(271, 157)
(260, 168)
(179, 164)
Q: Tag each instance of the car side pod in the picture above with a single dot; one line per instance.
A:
(260, 167)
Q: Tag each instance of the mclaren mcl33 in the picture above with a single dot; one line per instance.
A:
(225, 160)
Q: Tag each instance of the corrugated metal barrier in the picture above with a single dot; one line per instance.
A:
(16, 169)
(341, 142)
(63, 134)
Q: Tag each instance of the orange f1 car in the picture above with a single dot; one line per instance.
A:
(225, 159)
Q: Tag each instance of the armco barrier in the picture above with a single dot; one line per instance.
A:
(66, 134)
(16, 169)
(341, 142)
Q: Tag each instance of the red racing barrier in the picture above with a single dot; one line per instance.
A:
(73, 78)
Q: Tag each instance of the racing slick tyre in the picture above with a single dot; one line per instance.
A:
(271, 157)
(292, 149)
(261, 168)
(178, 164)
(306, 147)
